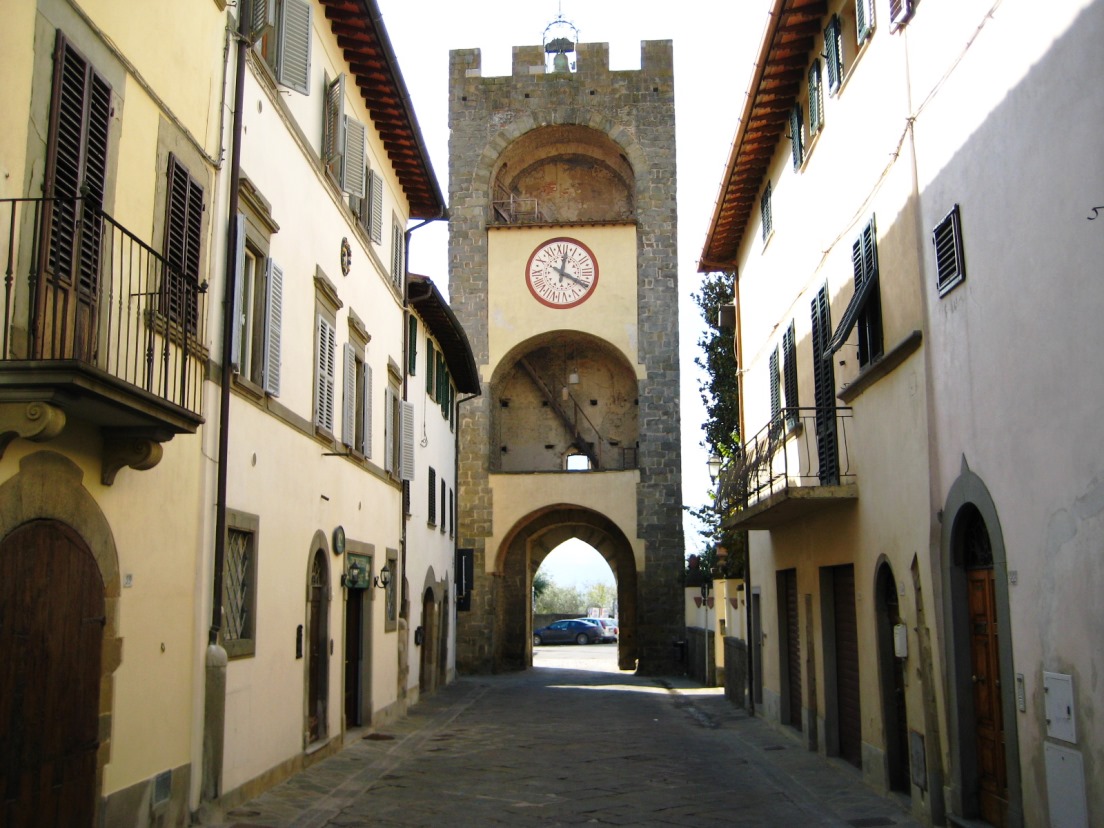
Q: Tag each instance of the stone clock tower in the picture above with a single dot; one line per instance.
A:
(563, 271)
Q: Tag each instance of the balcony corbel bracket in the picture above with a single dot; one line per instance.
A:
(37, 421)
(125, 447)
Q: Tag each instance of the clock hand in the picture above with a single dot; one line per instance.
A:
(576, 280)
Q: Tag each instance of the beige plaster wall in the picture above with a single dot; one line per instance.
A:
(611, 494)
(517, 316)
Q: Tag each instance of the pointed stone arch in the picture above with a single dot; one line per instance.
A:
(520, 555)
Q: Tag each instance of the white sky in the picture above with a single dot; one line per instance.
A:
(715, 45)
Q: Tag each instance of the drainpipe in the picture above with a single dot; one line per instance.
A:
(738, 344)
(215, 688)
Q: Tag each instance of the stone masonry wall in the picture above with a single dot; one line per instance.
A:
(636, 110)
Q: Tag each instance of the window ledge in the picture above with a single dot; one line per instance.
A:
(881, 367)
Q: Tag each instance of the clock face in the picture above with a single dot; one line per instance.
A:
(562, 273)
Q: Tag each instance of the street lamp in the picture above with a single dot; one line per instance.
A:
(715, 463)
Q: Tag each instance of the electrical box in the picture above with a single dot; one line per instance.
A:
(900, 640)
(1065, 776)
(1058, 698)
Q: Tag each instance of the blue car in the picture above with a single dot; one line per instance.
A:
(571, 631)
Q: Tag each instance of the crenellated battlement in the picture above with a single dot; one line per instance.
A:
(592, 61)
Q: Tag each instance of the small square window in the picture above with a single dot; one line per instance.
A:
(950, 264)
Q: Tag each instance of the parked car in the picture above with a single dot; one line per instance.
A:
(609, 628)
(572, 630)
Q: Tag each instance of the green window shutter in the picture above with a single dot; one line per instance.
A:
(294, 49)
(833, 51)
(262, 18)
(239, 277)
(274, 311)
(816, 99)
(431, 498)
(775, 389)
(333, 127)
(348, 395)
(366, 447)
(430, 366)
(412, 345)
(797, 136)
(824, 390)
(864, 20)
(869, 321)
(789, 374)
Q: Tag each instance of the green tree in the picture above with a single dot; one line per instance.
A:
(724, 549)
(541, 582)
(603, 596)
(560, 599)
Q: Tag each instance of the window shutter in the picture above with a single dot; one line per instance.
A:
(864, 20)
(950, 261)
(324, 375)
(333, 127)
(899, 12)
(444, 494)
(389, 436)
(870, 305)
(431, 497)
(412, 344)
(375, 181)
(431, 367)
(183, 235)
(824, 389)
(833, 52)
(348, 396)
(274, 312)
(398, 241)
(239, 279)
(76, 162)
(789, 373)
(406, 471)
(816, 101)
(797, 137)
(294, 50)
(765, 211)
(262, 18)
(366, 447)
(775, 390)
(352, 165)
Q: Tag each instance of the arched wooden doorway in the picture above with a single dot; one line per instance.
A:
(892, 674)
(51, 637)
(428, 678)
(318, 629)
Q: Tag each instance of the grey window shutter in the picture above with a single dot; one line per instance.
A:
(239, 278)
(262, 18)
(388, 431)
(274, 306)
(398, 239)
(294, 50)
(352, 165)
(324, 379)
(407, 469)
(348, 396)
(333, 127)
(899, 12)
(366, 447)
(376, 182)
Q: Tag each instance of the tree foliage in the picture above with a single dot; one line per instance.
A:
(725, 549)
(556, 599)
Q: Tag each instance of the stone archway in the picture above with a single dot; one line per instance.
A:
(976, 606)
(49, 487)
(518, 559)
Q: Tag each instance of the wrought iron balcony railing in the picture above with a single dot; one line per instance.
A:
(800, 448)
(82, 291)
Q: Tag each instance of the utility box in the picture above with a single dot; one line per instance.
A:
(1061, 721)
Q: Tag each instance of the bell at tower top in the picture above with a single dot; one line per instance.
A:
(560, 39)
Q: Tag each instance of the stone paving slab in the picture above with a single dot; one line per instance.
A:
(567, 747)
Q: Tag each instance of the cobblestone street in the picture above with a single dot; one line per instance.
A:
(560, 745)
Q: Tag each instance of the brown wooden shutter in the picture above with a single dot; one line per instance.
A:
(183, 238)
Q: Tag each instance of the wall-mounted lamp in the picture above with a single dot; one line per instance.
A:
(383, 580)
(715, 463)
(351, 579)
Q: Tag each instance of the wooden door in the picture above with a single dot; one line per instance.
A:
(848, 714)
(319, 652)
(51, 637)
(892, 670)
(353, 638)
(988, 722)
(756, 660)
(791, 647)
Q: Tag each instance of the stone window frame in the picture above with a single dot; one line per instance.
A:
(243, 646)
(391, 593)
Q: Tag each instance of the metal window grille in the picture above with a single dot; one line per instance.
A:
(238, 601)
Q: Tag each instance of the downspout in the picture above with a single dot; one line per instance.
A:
(737, 346)
(215, 685)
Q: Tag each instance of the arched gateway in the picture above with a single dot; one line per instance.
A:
(563, 271)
